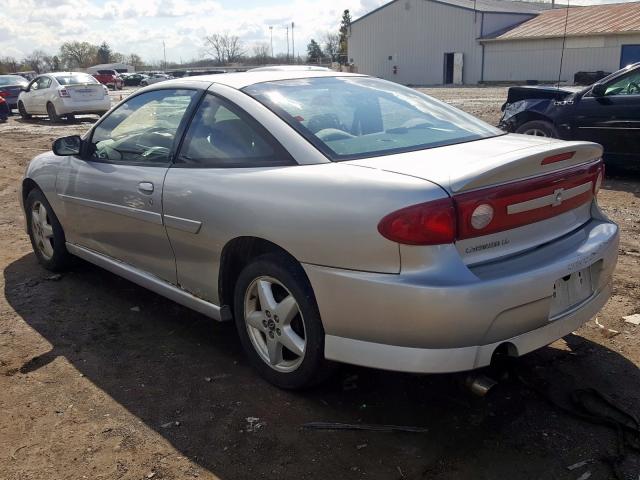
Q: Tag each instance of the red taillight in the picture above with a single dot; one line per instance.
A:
(63, 92)
(430, 223)
(4, 94)
(494, 209)
(528, 201)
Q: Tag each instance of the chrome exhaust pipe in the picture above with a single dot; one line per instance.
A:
(479, 384)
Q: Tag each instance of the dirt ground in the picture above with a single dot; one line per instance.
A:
(101, 379)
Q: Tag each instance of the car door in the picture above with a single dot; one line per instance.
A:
(612, 119)
(30, 98)
(41, 95)
(112, 196)
(224, 151)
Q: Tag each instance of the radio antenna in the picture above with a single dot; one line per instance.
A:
(564, 40)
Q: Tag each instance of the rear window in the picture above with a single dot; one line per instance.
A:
(359, 117)
(6, 80)
(106, 72)
(75, 78)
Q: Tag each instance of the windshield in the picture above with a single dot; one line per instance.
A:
(75, 78)
(6, 80)
(359, 117)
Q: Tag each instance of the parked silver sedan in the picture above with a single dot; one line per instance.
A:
(333, 217)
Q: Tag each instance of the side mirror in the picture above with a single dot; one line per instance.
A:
(67, 145)
(599, 90)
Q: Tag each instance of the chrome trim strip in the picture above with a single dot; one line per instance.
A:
(147, 280)
(184, 224)
(551, 199)
(144, 215)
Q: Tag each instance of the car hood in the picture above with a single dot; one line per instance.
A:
(515, 94)
(490, 161)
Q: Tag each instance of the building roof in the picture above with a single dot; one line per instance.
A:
(615, 18)
(486, 6)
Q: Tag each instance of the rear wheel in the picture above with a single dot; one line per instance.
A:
(538, 128)
(53, 115)
(23, 111)
(45, 232)
(71, 117)
(279, 323)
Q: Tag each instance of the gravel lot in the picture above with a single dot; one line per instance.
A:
(101, 379)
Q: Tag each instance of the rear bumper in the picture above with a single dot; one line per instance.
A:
(420, 322)
(445, 360)
(72, 107)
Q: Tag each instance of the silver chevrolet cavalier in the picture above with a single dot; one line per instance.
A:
(335, 218)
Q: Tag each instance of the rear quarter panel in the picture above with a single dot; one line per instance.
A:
(323, 214)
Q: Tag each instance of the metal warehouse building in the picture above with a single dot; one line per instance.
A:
(430, 42)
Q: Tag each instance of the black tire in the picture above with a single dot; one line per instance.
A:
(71, 117)
(314, 368)
(23, 111)
(542, 128)
(51, 112)
(60, 258)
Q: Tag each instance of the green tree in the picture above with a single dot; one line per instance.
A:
(104, 53)
(78, 54)
(345, 29)
(314, 52)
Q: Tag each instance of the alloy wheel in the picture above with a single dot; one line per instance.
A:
(536, 132)
(275, 324)
(42, 230)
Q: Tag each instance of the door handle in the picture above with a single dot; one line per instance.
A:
(145, 187)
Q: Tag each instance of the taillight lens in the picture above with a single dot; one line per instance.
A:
(63, 92)
(494, 209)
(527, 201)
(430, 223)
(4, 94)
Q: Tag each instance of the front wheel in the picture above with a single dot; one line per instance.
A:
(45, 232)
(279, 323)
(538, 128)
(23, 111)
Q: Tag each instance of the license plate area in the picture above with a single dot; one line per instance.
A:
(570, 291)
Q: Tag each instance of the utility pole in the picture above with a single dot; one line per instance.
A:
(287, 27)
(164, 49)
(293, 45)
(271, 31)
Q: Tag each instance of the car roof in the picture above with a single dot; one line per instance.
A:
(243, 79)
(289, 68)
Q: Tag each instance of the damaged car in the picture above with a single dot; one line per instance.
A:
(607, 112)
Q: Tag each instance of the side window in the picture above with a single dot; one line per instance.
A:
(627, 85)
(44, 82)
(33, 86)
(221, 135)
(143, 129)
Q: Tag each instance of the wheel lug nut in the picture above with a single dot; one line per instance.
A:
(275, 317)
(271, 334)
(278, 331)
(268, 314)
(264, 322)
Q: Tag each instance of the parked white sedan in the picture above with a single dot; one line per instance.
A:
(63, 94)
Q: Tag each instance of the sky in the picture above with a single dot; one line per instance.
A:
(141, 26)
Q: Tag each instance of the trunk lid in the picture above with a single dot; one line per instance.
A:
(86, 91)
(466, 171)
